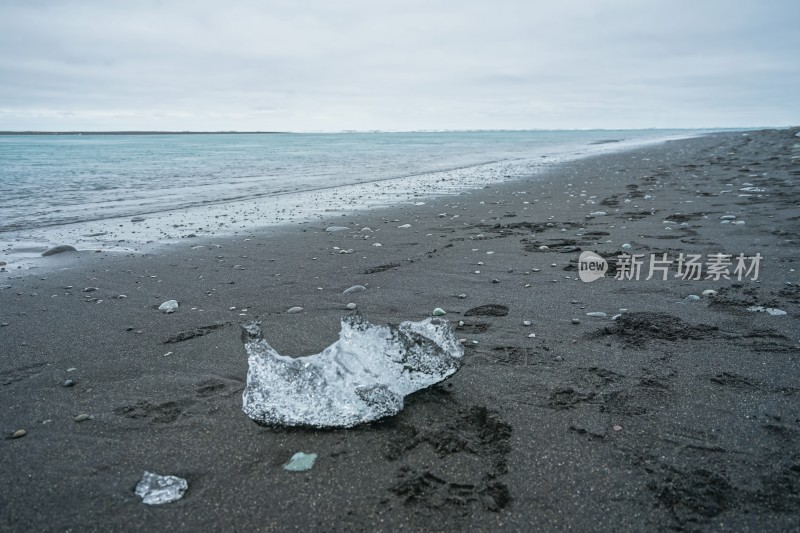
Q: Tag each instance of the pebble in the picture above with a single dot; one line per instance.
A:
(59, 249)
(90, 289)
(692, 298)
(405, 226)
(82, 418)
(709, 293)
(19, 433)
(170, 306)
(354, 288)
(69, 383)
(598, 213)
(626, 246)
(532, 335)
(617, 428)
(4, 324)
(439, 312)
(576, 321)
(137, 219)
(293, 310)
(597, 314)
(351, 306)
(495, 281)
(526, 322)
(333, 229)
(462, 296)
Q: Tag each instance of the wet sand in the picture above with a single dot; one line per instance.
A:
(679, 414)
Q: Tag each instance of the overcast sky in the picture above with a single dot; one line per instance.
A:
(335, 65)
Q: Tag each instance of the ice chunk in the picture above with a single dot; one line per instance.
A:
(155, 489)
(170, 306)
(361, 377)
(770, 310)
(300, 462)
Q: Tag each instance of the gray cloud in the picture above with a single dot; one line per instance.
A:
(320, 65)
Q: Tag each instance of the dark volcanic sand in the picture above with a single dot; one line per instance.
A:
(705, 395)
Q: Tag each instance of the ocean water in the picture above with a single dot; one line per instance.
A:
(134, 193)
(51, 180)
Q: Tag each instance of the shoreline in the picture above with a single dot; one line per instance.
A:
(143, 231)
(679, 415)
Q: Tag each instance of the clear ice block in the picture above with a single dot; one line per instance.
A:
(361, 377)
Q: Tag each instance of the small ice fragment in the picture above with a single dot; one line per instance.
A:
(692, 298)
(770, 310)
(727, 217)
(597, 214)
(295, 309)
(597, 314)
(155, 490)
(361, 377)
(531, 335)
(300, 462)
(405, 226)
(333, 229)
(354, 288)
(526, 322)
(438, 312)
(170, 306)
(626, 246)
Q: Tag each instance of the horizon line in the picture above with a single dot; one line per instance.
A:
(239, 132)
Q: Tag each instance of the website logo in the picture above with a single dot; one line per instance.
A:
(591, 267)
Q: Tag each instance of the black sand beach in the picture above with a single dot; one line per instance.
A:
(678, 415)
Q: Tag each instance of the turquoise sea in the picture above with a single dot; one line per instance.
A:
(55, 179)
